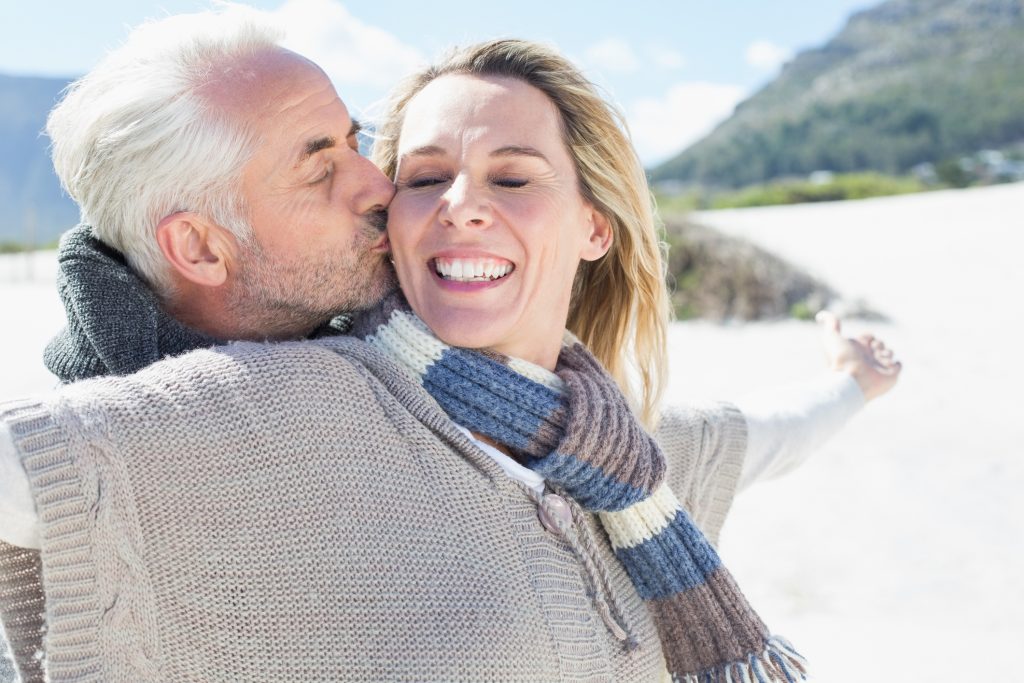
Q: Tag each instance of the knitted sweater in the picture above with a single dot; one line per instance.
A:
(335, 526)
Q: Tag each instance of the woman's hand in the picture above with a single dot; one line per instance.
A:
(866, 359)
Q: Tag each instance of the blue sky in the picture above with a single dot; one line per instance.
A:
(675, 68)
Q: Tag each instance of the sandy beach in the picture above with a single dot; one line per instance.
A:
(897, 553)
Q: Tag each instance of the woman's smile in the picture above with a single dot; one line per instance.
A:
(470, 270)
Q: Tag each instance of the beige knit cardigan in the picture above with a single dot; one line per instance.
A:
(306, 512)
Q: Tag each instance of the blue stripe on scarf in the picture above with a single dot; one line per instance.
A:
(486, 410)
(676, 560)
(500, 380)
(602, 492)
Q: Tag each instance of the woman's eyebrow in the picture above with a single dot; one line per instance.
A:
(425, 151)
(506, 151)
(519, 150)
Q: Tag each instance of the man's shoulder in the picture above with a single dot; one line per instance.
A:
(340, 379)
(210, 373)
(286, 363)
(229, 387)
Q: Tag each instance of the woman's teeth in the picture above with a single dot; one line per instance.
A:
(472, 270)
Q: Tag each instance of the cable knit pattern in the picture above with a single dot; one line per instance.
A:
(585, 439)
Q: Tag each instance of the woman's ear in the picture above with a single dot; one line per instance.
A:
(599, 237)
(198, 249)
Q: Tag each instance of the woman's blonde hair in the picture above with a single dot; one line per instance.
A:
(620, 304)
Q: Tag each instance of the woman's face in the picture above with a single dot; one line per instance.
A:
(488, 226)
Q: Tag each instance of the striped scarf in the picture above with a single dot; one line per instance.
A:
(575, 428)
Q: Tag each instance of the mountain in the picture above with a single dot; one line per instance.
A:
(32, 205)
(906, 82)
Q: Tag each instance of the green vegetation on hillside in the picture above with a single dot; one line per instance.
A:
(841, 187)
(908, 82)
(826, 189)
(829, 188)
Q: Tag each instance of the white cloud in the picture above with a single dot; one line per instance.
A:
(349, 50)
(612, 54)
(767, 56)
(666, 57)
(664, 126)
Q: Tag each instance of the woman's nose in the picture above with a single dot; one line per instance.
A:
(465, 205)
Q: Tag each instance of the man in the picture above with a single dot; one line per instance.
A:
(223, 198)
(228, 175)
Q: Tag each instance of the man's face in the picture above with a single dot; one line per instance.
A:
(316, 206)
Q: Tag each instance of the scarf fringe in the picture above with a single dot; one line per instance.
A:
(777, 663)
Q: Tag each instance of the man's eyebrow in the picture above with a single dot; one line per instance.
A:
(356, 127)
(316, 145)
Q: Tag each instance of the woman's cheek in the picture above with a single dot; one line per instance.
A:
(404, 216)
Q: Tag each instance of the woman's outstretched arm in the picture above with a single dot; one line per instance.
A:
(785, 426)
(714, 449)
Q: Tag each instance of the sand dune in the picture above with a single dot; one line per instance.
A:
(897, 554)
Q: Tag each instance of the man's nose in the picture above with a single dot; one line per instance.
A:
(376, 191)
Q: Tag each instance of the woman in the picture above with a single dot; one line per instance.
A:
(520, 205)
(339, 524)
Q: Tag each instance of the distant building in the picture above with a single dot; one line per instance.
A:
(925, 173)
(993, 166)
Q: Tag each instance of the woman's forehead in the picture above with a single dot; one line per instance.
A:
(458, 109)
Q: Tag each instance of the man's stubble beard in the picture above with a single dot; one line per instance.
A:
(278, 299)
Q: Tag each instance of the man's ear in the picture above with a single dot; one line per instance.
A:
(599, 238)
(198, 249)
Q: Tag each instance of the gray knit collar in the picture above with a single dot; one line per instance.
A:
(115, 323)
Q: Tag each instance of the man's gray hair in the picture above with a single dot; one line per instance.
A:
(135, 140)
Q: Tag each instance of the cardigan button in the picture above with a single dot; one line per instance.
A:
(559, 510)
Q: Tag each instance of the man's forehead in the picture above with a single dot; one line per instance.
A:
(247, 85)
(290, 107)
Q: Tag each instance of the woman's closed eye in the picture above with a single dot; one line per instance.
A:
(510, 181)
(427, 180)
(424, 181)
